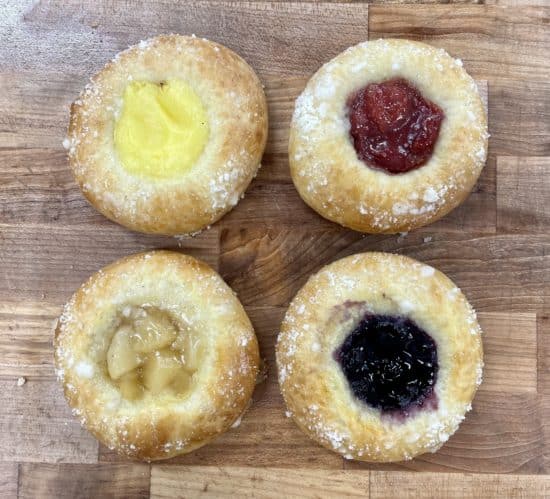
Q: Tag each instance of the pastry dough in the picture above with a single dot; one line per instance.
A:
(181, 160)
(156, 355)
(333, 303)
(325, 166)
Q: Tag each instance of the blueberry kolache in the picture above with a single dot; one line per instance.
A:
(379, 357)
(167, 136)
(156, 355)
(388, 136)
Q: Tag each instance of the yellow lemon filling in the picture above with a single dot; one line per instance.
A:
(162, 130)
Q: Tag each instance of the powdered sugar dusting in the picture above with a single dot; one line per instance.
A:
(479, 375)
(126, 196)
(430, 195)
(84, 370)
(237, 422)
(406, 306)
(312, 404)
(318, 123)
(427, 271)
(104, 410)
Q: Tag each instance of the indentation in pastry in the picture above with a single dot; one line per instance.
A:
(167, 136)
(376, 173)
(393, 126)
(379, 357)
(156, 355)
(390, 363)
(148, 353)
(162, 130)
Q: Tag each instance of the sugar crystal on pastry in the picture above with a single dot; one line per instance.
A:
(166, 138)
(379, 357)
(156, 355)
(356, 174)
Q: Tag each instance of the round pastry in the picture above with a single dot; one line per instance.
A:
(166, 138)
(388, 136)
(379, 357)
(156, 355)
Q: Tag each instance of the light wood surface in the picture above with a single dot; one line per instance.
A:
(196, 481)
(496, 247)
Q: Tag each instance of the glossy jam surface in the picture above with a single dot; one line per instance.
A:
(390, 363)
(150, 354)
(392, 126)
(162, 130)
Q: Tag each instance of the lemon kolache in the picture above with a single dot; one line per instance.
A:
(167, 136)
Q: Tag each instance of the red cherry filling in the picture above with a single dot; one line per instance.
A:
(392, 126)
(390, 363)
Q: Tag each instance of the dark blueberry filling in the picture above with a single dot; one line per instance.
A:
(390, 363)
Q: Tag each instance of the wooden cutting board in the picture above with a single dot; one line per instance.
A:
(496, 247)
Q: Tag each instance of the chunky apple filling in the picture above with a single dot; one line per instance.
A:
(150, 353)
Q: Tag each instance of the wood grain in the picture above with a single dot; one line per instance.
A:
(467, 486)
(509, 342)
(70, 254)
(26, 341)
(515, 3)
(519, 117)
(9, 473)
(523, 192)
(499, 272)
(230, 481)
(170, 481)
(494, 42)
(79, 480)
(267, 265)
(265, 437)
(543, 381)
(37, 425)
(263, 33)
(38, 187)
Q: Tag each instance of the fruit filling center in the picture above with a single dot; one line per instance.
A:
(390, 363)
(162, 129)
(392, 126)
(150, 353)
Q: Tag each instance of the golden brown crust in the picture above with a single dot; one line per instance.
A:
(235, 104)
(324, 312)
(324, 165)
(163, 425)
